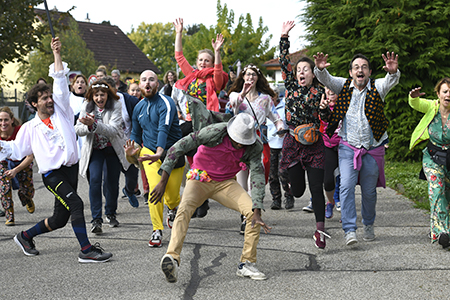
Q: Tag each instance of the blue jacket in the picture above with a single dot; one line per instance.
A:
(155, 123)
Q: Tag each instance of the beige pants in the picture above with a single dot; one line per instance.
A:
(228, 193)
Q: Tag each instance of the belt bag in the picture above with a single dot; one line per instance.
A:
(438, 155)
(307, 134)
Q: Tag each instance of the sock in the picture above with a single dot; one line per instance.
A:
(37, 229)
(79, 228)
(320, 226)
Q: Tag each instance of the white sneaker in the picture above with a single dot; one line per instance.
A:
(249, 269)
(169, 266)
(350, 238)
(338, 205)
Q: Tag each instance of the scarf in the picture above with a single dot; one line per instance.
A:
(212, 102)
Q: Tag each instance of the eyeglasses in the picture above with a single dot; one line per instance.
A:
(250, 74)
(363, 67)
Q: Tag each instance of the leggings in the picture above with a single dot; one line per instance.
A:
(315, 181)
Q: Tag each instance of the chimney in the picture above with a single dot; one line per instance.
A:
(87, 18)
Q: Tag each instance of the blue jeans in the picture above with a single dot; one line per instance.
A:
(105, 158)
(368, 177)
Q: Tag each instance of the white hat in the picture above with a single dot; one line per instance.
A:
(241, 129)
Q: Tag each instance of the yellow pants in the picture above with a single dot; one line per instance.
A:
(172, 194)
(228, 193)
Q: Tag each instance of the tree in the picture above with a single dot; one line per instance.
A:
(17, 35)
(417, 30)
(157, 42)
(242, 41)
(74, 52)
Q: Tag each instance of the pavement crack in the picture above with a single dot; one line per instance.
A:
(194, 283)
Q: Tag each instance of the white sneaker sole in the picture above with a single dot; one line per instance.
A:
(169, 268)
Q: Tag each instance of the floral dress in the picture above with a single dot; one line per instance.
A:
(438, 178)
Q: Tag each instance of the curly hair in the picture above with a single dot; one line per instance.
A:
(37, 90)
(104, 86)
(262, 85)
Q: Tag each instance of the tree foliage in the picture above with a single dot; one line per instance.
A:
(242, 41)
(17, 34)
(157, 42)
(73, 52)
(417, 30)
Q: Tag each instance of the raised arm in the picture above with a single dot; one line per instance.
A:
(219, 79)
(321, 61)
(391, 61)
(178, 24)
(56, 47)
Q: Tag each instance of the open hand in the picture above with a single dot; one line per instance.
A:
(391, 61)
(178, 25)
(130, 150)
(217, 43)
(321, 61)
(286, 27)
(414, 93)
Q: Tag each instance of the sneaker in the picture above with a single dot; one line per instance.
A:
(329, 210)
(156, 239)
(10, 223)
(202, 210)
(243, 225)
(146, 198)
(30, 206)
(248, 269)
(97, 226)
(27, 246)
(276, 205)
(137, 192)
(319, 236)
(289, 202)
(169, 266)
(112, 220)
(350, 238)
(171, 214)
(444, 240)
(96, 255)
(131, 198)
(369, 234)
(308, 208)
(338, 205)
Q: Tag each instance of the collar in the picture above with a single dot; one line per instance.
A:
(368, 85)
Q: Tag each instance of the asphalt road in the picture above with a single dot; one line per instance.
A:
(400, 264)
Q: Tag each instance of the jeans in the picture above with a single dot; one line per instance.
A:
(367, 178)
(104, 158)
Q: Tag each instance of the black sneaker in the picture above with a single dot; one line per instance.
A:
(97, 226)
(112, 220)
(444, 240)
(276, 205)
(96, 255)
(27, 246)
(289, 203)
(202, 210)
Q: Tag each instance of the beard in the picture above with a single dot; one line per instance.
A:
(151, 93)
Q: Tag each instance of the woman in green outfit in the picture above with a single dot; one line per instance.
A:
(435, 127)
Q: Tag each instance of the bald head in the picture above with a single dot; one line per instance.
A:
(149, 83)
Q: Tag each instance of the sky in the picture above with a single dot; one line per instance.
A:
(127, 15)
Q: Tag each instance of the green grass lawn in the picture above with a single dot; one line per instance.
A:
(404, 178)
